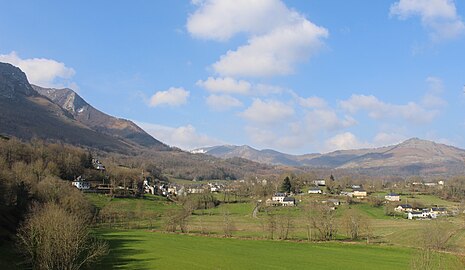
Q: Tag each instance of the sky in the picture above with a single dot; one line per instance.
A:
(294, 76)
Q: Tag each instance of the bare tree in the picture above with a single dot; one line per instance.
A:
(433, 239)
(228, 223)
(355, 224)
(285, 224)
(271, 224)
(180, 217)
(324, 221)
(52, 238)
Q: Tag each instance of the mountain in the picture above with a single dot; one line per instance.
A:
(414, 156)
(26, 114)
(101, 122)
(266, 156)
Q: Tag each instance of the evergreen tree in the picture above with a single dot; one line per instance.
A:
(286, 186)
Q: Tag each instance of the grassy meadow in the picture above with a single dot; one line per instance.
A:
(139, 249)
(138, 239)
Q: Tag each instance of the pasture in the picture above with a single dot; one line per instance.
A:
(135, 229)
(139, 249)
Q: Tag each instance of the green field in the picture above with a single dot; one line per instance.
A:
(138, 249)
(137, 239)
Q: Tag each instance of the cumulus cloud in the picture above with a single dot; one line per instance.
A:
(278, 37)
(438, 16)
(266, 89)
(328, 120)
(225, 85)
(378, 109)
(184, 137)
(222, 102)
(41, 71)
(432, 98)
(171, 97)
(267, 112)
(274, 53)
(384, 139)
(222, 19)
(344, 141)
(312, 102)
(275, 139)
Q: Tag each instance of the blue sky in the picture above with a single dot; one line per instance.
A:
(295, 76)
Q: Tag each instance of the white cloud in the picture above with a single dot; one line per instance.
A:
(222, 102)
(278, 37)
(41, 71)
(225, 85)
(184, 137)
(344, 141)
(438, 16)
(222, 19)
(312, 102)
(283, 139)
(267, 112)
(172, 97)
(274, 53)
(384, 139)
(266, 89)
(377, 109)
(432, 98)
(328, 120)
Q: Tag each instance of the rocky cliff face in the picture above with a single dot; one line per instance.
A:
(63, 116)
(14, 82)
(97, 120)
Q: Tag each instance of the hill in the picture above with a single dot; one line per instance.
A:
(412, 157)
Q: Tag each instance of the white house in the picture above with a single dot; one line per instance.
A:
(439, 211)
(392, 197)
(359, 193)
(81, 184)
(319, 182)
(404, 208)
(288, 201)
(315, 190)
(415, 214)
(278, 197)
(425, 213)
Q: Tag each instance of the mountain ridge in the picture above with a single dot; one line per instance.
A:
(414, 154)
(85, 113)
(26, 114)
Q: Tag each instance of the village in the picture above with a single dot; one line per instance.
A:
(316, 191)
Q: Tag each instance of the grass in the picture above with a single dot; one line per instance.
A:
(428, 200)
(129, 246)
(137, 249)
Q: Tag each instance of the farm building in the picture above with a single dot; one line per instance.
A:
(404, 208)
(392, 197)
(359, 193)
(315, 190)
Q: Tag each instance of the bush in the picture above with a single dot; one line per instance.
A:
(52, 238)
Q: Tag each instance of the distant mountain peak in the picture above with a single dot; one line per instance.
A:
(413, 156)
